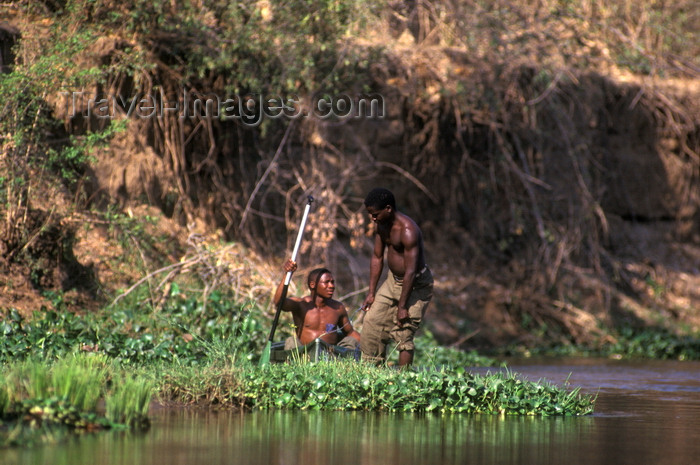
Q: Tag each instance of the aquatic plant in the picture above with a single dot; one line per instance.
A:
(76, 380)
(654, 343)
(129, 402)
(629, 343)
(186, 330)
(79, 380)
(343, 385)
(33, 378)
(215, 385)
(430, 353)
(4, 397)
(48, 399)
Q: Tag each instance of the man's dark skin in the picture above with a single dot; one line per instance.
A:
(314, 312)
(401, 237)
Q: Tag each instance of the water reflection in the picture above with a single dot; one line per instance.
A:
(370, 439)
(188, 437)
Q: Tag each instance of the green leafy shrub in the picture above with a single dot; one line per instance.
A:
(185, 330)
(655, 344)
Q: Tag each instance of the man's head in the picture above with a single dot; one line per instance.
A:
(315, 276)
(321, 283)
(380, 205)
(379, 198)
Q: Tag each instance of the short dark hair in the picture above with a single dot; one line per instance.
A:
(315, 275)
(380, 198)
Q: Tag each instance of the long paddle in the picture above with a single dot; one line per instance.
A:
(265, 357)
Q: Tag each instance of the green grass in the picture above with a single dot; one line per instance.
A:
(80, 380)
(58, 399)
(129, 402)
(41, 400)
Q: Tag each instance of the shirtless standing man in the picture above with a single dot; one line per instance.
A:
(394, 312)
(317, 315)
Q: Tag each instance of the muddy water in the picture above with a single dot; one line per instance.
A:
(646, 413)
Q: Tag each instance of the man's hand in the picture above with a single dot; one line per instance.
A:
(402, 316)
(290, 266)
(369, 300)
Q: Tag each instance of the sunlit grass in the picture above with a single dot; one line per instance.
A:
(79, 380)
(129, 402)
(41, 400)
(4, 397)
(215, 385)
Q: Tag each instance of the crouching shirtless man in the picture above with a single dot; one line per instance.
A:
(317, 315)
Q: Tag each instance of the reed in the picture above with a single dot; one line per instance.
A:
(79, 380)
(214, 383)
(129, 402)
(4, 396)
(32, 379)
(42, 400)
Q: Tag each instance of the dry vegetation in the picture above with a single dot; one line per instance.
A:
(550, 150)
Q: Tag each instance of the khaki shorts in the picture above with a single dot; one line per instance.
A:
(380, 325)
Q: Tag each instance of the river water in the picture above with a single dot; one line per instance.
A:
(646, 413)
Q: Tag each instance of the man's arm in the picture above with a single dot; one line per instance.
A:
(346, 325)
(410, 240)
(290, 304)
(376, 265)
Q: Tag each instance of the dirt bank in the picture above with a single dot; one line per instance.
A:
(558, 191)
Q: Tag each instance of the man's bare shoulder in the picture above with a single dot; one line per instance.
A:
(406, 221)
(410, 232)
(297, 300)
(306, 302)
(335, 305)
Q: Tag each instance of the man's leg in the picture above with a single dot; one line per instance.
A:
(405, 358)
(292, 342)
(421, 295)
(372, 343)
(376, 325)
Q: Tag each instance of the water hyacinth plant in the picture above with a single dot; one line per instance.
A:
(346, 385)
(183, 332)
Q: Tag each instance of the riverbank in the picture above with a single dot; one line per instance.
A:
(653, 400)
(67, 374)
(86, 393)
(196, 354)
(204, 354)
